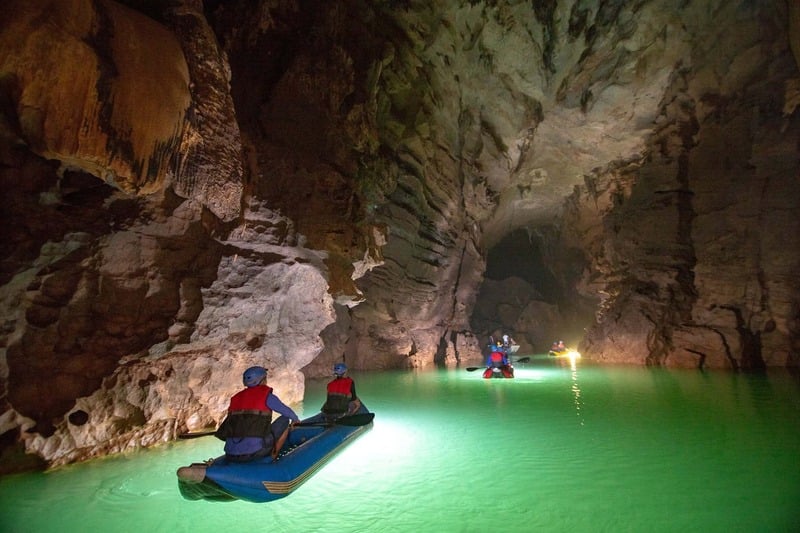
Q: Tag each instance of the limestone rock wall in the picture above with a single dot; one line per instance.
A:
(103, 121)
(76, 103)
(694, 246)
(105, 89)
(382, 203)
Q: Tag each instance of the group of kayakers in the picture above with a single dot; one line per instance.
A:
(250, 433)
(248, 429)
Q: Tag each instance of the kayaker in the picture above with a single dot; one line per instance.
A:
(248, 429)
(508, 341)
(342, 399)
(498, 359)
(557, 346)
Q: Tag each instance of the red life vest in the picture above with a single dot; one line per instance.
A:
(251, 399)
(248, 414)
(497, 357)
(340, 392)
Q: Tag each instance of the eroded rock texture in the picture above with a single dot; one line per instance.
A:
(193, 187)
(693, 259)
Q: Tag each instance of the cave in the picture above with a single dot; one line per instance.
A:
(519, 254)
(189, 186)
(527, 292)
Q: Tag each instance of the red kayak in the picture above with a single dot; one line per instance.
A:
(506, 371)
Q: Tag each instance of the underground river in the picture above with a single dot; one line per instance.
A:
(565, 446)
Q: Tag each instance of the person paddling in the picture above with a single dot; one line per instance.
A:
(342, 399)
(508, 342)
(248, 430)
(498, 362)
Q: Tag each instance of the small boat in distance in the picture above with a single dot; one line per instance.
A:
(558, 349)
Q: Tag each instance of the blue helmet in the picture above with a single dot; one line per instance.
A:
(339, 369)
(254, 375)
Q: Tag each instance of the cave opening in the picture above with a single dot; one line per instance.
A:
(521, 294)
(519, 254)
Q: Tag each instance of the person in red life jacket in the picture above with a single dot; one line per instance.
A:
(342, 399)
(248, 429)
(497, 362)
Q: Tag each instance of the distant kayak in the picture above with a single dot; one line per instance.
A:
(506, 372)
(564, 353)
(309, 446)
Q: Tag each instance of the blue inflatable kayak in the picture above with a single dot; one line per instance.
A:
(309, 446)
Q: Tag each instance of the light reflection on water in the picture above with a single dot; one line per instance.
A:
(562, 447)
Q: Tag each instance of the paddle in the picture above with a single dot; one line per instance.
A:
(359, 419)
(474, 368)
(196, 435)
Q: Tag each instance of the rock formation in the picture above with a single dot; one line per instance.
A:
(194, 187)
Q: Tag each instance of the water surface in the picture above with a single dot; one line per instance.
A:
(558, 448)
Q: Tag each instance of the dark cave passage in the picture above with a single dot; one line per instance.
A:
(519, 254)
(520, 295)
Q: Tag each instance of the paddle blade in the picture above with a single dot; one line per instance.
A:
(523, 360)
(196, 435)
(473, 368)
(359, 419)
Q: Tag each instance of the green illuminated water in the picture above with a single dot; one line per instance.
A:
(556, 449)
